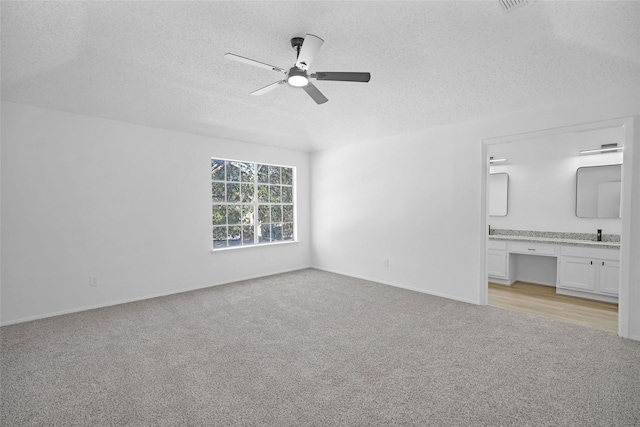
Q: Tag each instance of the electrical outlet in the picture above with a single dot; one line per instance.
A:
(93, 280)
(385, 263)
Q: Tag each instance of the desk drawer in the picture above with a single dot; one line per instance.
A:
(532, 248)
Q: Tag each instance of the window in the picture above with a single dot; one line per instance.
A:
(251, 203)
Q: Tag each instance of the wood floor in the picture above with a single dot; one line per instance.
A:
(543, 300)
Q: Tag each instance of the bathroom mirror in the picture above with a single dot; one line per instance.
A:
(598, 191)
(498, 194)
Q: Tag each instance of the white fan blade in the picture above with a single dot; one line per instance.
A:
(268, 88)
(315, 93)
(310, 47)
(254, 63)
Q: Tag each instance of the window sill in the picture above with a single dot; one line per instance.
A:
(259, 245)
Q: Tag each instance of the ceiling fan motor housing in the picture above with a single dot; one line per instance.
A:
(296, 43)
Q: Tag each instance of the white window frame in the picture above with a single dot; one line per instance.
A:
(252, 219)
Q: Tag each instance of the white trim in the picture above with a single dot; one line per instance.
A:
(255, 245)
(483, 285)
(256, 202)
(626, 262)
(162, 294)
(395, 285)
(627, 123)
(580, 127)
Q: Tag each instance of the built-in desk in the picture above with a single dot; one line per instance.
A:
(587, 269)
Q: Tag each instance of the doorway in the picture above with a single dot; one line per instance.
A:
(533, 143)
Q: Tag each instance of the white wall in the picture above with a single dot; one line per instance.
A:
(542, 181)
(131, 204)
(417, 200)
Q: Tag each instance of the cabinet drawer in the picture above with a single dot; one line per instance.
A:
(532, 248)
(612, 254)
(497, 245)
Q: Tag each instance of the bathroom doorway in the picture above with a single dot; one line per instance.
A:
(557, 153)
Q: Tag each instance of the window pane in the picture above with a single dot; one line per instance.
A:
(247, 214)
(287, 176)
(247, 171)
(233, 193)
(217, 170)
(219, 237)
(263, 173)
(276, 232)
(287, 195)
(275, 194)
(276, 213)
(247, 235)
(247, 193)
(234, 214)
(234, 236)
(287, 213)
(265, 233)
(218, 191)
(219, 215)
(233, 172)
(274, 174)
(287, 232)
(263, 214)
(263, 193)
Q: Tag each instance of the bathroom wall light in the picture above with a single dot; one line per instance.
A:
(604, 148)
(492, 160)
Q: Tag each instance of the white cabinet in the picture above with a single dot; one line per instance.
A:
(497, 263)
(593, 271)
(587, 272)
(609, 277)
(577, 273)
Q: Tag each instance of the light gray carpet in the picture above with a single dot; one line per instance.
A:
(314, 348)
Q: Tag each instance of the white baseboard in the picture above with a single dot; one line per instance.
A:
(125, 301)
(396, 285)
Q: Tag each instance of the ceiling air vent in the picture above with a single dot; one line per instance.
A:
(509, 5)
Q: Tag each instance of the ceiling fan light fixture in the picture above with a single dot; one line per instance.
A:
(297, 78)
(298, 81)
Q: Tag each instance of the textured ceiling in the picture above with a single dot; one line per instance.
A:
(161, 63)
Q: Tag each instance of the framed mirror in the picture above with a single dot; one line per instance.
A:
(598, 190)
(498, 194)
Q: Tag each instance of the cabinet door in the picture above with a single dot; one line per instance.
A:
(609, 276)
(497, 263)
(578, 273)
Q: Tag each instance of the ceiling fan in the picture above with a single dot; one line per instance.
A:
(298, 76)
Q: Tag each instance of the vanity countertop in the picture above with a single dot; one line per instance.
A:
(556, 241)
